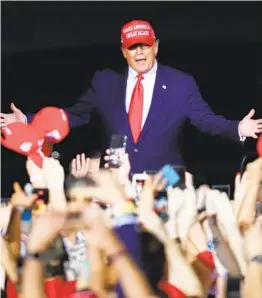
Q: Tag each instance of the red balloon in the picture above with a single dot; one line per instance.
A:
(53, 123)
(259, 146)
(21, 138)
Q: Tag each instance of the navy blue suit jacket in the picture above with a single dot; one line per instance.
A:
(176, 98)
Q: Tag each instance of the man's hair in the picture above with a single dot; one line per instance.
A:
(73, 182)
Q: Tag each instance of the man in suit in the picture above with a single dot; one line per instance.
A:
(149, 104)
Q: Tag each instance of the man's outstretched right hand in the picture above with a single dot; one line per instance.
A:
(16, 116)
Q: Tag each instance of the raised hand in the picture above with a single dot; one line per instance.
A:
(218, 203)
(108, 189)
(16, 116)
(249, 127)
(97, 225)
(241, 186)
(79, 166)
(44, 230)
(147, 217)
(53, 173)
(152, 186)
(36, 174)
(19, 198)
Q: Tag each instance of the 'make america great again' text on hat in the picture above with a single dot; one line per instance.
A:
(137, 32)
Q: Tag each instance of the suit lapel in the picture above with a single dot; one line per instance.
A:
(119, 108)
(156, 107)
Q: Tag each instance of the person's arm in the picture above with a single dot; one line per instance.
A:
(8, 261)
(13, 233)
(253, 280)
(132, 280)
(126, 228)
(201, 115)
(181, 274)
(198, 255)
(97, 272)
(253, 252)
(247, 210)
(33, 279)
(80, 113)
(222, 249)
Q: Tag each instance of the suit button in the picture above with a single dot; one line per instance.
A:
(135, 150)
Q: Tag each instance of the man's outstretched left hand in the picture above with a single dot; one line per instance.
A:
(249, 127)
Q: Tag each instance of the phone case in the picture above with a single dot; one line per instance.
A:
(170, 175)
(117, 150)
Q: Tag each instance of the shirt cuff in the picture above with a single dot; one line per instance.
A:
(242, 139)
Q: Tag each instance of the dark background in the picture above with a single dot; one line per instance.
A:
(50, 51)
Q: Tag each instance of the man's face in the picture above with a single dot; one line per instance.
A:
(141, 57)
(79, 194)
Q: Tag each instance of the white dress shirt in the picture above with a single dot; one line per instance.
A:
(148, 83)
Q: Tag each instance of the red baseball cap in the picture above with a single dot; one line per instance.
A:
(137, 31)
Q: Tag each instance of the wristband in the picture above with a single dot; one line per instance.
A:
(124, 220)
(35, 256)
(207, 258)
(170, 290)
(55, 186)
(124, 207)
(45, 257)
(19, 208)
(256, 259)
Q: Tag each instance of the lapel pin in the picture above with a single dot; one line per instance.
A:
(164, 86)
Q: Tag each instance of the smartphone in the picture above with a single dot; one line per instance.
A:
(175, 177)
(161, 205)
(138, 181)
(160, 202)
(171, 175)
(117, 150)
(181, 171)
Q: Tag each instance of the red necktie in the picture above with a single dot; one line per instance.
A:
(136, 108)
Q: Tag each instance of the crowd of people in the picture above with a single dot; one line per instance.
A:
(93, 236)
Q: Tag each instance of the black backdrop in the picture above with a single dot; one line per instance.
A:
(51, 50)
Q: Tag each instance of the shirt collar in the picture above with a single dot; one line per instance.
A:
(132, 74)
